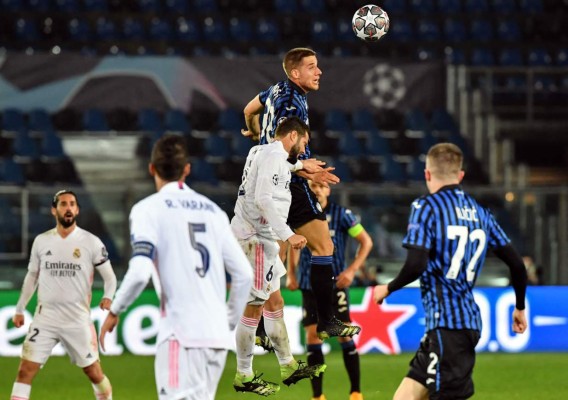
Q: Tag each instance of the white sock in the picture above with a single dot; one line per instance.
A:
(246, 332)
(21, 391)
(276, 331)
(103, 390)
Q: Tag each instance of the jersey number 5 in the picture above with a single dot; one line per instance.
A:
(193, 229)
(462, 234)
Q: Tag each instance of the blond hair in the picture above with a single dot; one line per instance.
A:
(445, 160)
(294, 58)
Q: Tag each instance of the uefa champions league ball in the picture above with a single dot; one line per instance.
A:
(370, 23)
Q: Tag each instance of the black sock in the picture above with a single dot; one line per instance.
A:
(260, 329)
(315, 356)
(351, 361)
(322, 281)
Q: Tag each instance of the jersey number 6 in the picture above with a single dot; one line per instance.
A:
(193, 229)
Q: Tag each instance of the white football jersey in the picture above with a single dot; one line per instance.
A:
(193, 245)
(65, 268)
(264, 196)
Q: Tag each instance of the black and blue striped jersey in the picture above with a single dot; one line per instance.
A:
(456, 231)
(340, 220)
(284, 99)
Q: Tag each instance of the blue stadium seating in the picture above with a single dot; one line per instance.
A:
(322, 31)
(202, 172)
(176, 121)
(267, 30)
(350, 145)
(39, 120)
(133, 29)
(509, 30)
(482, 57)
(95, 5)
(26, 30)
(510, 57)
(12, 5)
(401, 31)
(450, 6)
(94, 120)
(149, 120)
(286, 6)
(24, 147)
(504, 6)
(531, 6)
(377, 145)
(205, 6)
(13, 120)
(51, 146)
(67, 6)
(177, 6)
(344, 31)
(313, 6)
(240, 145)
(476, 6)
(160, 29)
(241, 29)
(11, 172)
(149, 6)
(336, 120)
(105, 29)
(428, 30)
(217, 146)
(454, 30)
(422, 6)
(363, 120)
(539, 57)
(482, 30)
(562, 57)
(187, 30)
(79, 30)
(230, 119)
(214, 30)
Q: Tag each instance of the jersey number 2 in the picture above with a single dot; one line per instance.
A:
(204, 267)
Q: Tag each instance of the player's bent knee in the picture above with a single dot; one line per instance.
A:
(94, 372)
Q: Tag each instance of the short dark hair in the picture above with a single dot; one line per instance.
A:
(169, 157)
(294, 57)
(289, 124)
(56, 196)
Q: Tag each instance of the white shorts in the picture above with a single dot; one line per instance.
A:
(187, 373)
(263, 255)
(80, 342)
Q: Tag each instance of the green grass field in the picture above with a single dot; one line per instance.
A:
(497, 377)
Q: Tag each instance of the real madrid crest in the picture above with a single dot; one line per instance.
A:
(77, 253)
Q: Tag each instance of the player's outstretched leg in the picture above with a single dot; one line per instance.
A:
(298, 370)
(254, 384)
(336, 328)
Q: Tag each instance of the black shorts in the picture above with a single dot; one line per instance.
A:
(304, 207)
(444, 363)
(340, 306)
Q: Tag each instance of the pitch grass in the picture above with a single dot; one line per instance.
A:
(497, 377)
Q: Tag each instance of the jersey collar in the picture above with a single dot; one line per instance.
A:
(449, 187)
(175, 186)
(296, 88)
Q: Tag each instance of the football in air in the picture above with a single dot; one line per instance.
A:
(370, 23)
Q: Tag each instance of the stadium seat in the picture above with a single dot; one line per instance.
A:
(392, 171)
(149, 120)
(149, 6)
(509, 31)
(205, 6)
(51, 146)
(362, 119)
(177, 6)
(401, 31)
(79, 30)
(214, 30)
(428, 30)
(26, 30)
(336, 120)
(12, 5)
(95, 5)
(342, 169)
(376, 145)
(40, 5)
(454, 30)
(24, 147)
(13, 120)
(539, 57)
(562, 57)
(285, 6)
(217, 146)
(241, 30)
(202, 172)
(267, 30)
(344, 31)
(160, 29)
(476, 6)
(415, 170)
(482, 57)
(455, 56)
(510, 57)
(133, 29)
(176, 121)
(313, 6)
(322, 31)
(442, 121)
(67, 6)
(349, 145)
(230, 119)
(396, 6)
(415, 120)
(449, 6)
(481, 29)
(94, 120)
(187, 30)
(11, 172)
(504, 6)
(530, 6)
(422, 6)
(240, 145)
(105, 29)
(39, 120)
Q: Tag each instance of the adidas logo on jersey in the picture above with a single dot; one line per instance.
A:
(89, 355)
(48, 253)
(163, 392)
